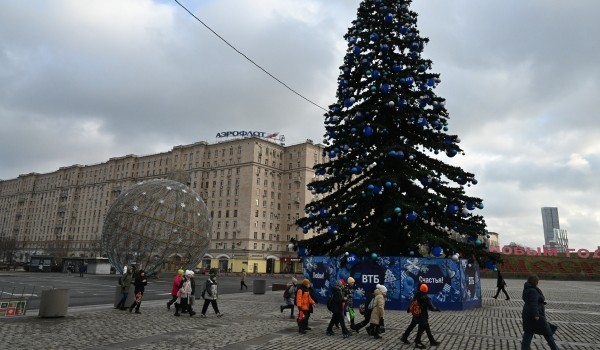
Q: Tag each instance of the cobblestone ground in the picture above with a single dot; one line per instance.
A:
(253, 321)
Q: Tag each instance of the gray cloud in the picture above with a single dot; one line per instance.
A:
(86, 81)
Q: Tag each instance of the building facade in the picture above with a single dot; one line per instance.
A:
(254, 188)
(554, 236)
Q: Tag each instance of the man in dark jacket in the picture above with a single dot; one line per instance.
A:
(125, 283)
(422, 320)
(337, 310)
(500, 284)
(534, 315)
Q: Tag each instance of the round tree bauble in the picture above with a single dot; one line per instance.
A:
(437, 251)
(153, 221)
(373, 256)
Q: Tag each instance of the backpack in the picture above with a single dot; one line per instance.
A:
(330, 304)
(288, 292)
(414, 308)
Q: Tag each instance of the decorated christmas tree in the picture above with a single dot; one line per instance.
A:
(386, 188)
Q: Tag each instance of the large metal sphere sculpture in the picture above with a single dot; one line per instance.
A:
(153, 221)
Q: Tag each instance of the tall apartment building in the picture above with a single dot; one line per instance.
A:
(254, 189)
(554, 236)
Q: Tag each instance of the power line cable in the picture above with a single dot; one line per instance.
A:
(247, 58)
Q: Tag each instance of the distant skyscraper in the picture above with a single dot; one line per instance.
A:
(553, 235)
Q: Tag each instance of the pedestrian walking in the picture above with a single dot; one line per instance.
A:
(184, 294)
(210, 294)
(289, 296)
(534, 315)
(337, 306)
(304, 302)
(81, 269)
(348, 293)
(366, 312)
(378, 306)
(500, 284)
(125, 283)
(243, 280)
(175, 288)
(421, 318)
(139, 283)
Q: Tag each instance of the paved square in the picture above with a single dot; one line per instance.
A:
(253, 321)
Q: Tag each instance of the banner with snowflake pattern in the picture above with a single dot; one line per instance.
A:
(453, 285)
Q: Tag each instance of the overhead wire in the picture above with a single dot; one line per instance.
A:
(249, 60)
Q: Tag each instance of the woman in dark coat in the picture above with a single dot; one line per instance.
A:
(139, 284)
(500, 284)
(534, 316)
(337, 310)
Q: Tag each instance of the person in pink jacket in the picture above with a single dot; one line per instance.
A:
(175, 288)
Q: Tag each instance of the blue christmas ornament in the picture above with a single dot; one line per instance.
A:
(451, 152)
(452, 208)
(301, 251)
(375, 74)
(437, 251)
(332, 154)
(368, 131)
(474, 182)
(374, 256)
(470, 205)
(370, 187)
(385, 88)
(403, 30)
(349, 101)
(397, 210)
(323, 213)
(412, 216)
(477, 241)
(397, 68)
(373, 88)
(351, 259)
(374, 37)
(421, 67)
(356, 50)
(388, 184)
(490, 265)
(401, 103)
(430, 82)
(388, 18)
(480, 205)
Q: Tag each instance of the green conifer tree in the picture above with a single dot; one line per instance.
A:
(386, 188)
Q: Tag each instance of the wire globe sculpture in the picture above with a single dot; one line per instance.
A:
(154, 221)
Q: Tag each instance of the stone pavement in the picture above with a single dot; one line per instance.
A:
(253, 321)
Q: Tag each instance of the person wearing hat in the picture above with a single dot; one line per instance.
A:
(304, 302)
(175, 288)
(184, 294)
(289, 295)
(422, 320)
(348, 293)
(210, 294)
(377, 310)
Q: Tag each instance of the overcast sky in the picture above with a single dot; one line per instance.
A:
(83, 81)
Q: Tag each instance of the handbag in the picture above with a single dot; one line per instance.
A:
(351, 313)
(300, 316)
(553, 327)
